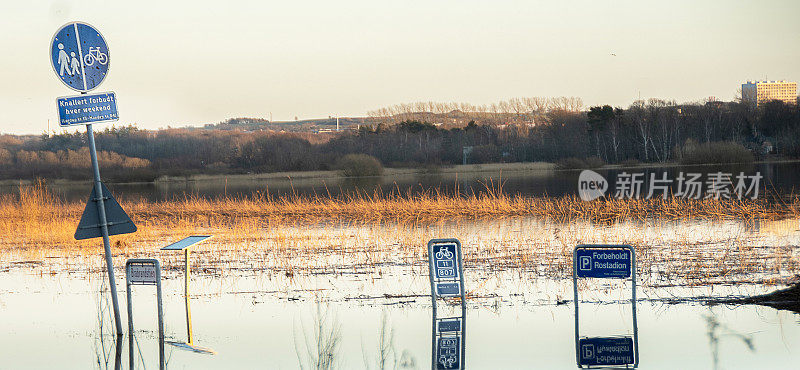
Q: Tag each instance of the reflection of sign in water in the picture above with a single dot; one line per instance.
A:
(444, 261)
(449, 325)
(142, 273)
(81, 109)
(612, 351)
(79, 55)
(448, 353)
(603, 263)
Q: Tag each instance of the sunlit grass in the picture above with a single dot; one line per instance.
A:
(678, 241)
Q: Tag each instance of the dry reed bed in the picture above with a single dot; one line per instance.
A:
(679, 242)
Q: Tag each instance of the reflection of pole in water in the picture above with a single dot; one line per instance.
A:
(101, 350)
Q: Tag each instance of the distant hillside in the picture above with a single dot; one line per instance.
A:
(310, 125)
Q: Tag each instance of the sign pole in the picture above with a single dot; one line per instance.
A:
(101, 211)
(186, 297)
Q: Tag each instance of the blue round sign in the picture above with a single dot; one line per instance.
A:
(80, 56)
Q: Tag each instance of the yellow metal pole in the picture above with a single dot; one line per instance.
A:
(186, 296)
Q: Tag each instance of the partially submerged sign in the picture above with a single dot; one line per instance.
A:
(446, 268)
(606, 351)
(117, 220)
(82, 109)
(145, 271)
(610, 262)
(603, 262)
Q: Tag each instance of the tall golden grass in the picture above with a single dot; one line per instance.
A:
(678, 241)
(35, 217)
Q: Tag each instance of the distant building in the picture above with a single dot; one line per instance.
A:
(759, 92)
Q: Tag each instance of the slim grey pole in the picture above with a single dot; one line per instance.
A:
(433, 306)
(101, 211)
(161, 360)
(130, 315)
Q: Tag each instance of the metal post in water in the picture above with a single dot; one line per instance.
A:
(101, 211)
(186, 296)
(161, 360)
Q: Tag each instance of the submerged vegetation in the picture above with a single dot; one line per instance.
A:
(509, 241)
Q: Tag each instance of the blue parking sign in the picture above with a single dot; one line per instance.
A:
(80, 56)
(603, 262)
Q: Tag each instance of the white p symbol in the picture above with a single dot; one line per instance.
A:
(586, 263)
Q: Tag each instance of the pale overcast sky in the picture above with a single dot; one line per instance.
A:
(183, 63)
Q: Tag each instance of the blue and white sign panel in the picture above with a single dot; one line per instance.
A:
(82, 109)
(444, 256)
(448, 353)
(593, 262)
(80, 56)
(445, 261)
(612, 351)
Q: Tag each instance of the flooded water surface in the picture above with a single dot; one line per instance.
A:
(358, 296)
(335, 294)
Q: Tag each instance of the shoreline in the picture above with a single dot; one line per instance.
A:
(469, 169)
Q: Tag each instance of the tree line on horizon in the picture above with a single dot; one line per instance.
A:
(426, 136)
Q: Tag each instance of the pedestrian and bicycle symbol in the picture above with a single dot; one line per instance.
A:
(80, 56)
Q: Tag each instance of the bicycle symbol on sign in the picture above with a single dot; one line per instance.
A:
(444, 253)
(95, 54)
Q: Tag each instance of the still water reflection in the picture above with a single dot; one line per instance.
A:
(50, 318)
(777, 177)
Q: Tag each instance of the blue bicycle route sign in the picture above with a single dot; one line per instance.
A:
(610, 351)
(81, 109)
(80, 56)
(445, 261)
(603, 263)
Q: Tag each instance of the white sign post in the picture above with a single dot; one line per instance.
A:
(145, 271)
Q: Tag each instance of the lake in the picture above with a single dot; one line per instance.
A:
(781, 178)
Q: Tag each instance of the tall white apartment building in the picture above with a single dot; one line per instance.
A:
(759, 92)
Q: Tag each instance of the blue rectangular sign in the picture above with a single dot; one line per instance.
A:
(448, 289)
(612, 351)
(445, 261)
(88, 108)
(448, 353)
(603, 263)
